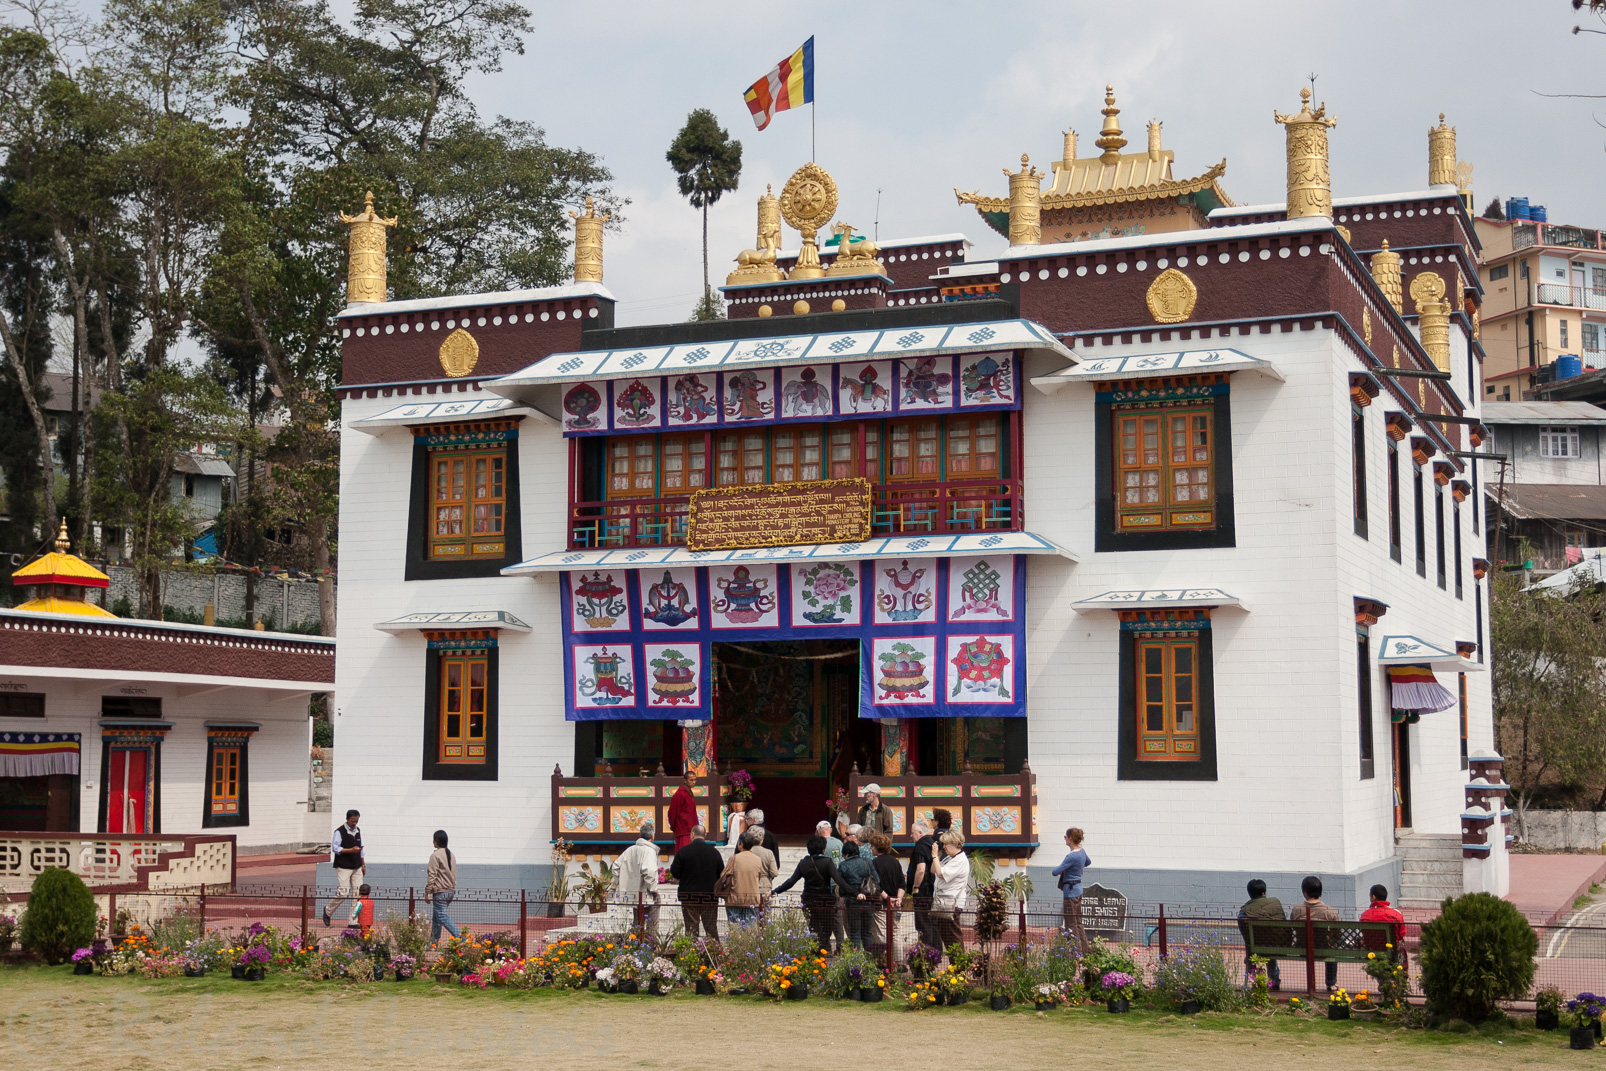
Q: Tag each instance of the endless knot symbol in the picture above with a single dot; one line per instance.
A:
(992, 541)
(570, 365)
(982, 334)
(567, 558)
(919, 544)
(848, 548)
(637, 556)
(699, 354)
(840, 344)
(982, 577)
(911, 339)
(634, 359)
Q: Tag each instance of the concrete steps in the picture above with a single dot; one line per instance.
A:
(1430, 868)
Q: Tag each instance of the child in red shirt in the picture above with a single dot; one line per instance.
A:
(365, 911)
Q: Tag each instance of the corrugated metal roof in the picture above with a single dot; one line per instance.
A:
(202, 465)
(1542, 413)
(1550, 501)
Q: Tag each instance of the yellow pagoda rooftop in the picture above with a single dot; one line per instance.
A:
(58, 580)
(1110, 195)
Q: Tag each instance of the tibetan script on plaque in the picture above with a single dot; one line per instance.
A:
(819, 511)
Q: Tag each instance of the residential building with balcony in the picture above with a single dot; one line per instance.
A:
(1547, 500)
(1160, 534)
(1544, 298)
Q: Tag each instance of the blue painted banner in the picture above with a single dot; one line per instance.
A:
(938, 637)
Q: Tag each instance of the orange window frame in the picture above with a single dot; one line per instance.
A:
(973, 447)
(915, 446)
(683, 463)
(225, 781)
(467, 504)
(1165, 475)
(1168, 700)
(632, 467)
(464, 710)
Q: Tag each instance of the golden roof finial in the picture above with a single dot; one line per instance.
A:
(365, 277)
(1110, 139)
(1441, 154)
(1070, 148)
(588, 243)
(62, 544)
(1025, 203)
(1310, 189)
(1386, 273)
(1154, 138)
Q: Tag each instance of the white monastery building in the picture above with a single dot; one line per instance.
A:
(1161, 524)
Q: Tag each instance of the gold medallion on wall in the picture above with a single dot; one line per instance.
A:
(1171, 297)
(459, 354)
(1366, 325)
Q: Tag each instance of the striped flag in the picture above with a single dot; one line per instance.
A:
(789, 85)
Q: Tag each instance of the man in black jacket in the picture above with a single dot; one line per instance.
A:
(696, 868)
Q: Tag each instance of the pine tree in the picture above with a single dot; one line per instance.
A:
(709, 164)
(1493, 210)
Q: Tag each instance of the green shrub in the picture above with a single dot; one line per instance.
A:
(60, 918)
(1480, 950)
(1102, 958)
(1198, 974)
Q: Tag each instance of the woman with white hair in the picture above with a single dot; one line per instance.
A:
(951, 868)
(768, 850)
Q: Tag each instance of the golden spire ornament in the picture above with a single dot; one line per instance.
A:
(1025, 203)
(365, 278)
(1386, 274)
(1110, 139)
(588, 243)
(1310, 188)
(1441, 154)
(1433, 317)
(758, 265)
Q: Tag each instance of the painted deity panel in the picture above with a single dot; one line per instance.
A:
(826, 593)
(903, 669)
(749, 394)
(677, 673)
(905, 591)
(637, 404)
(986, 379)
(690, 400)
(981, 669)
(926, 383)
(604, 676)
(597, 603)
(744, 596)
(806, 392)
(865, 388)
(981, 589)
(584, 406)
(669, 600)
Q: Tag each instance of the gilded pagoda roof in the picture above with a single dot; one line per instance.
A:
(61, 566)
(52, 605)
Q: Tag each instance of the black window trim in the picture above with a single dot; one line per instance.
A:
(224, 821)
(1128, 766)
(1368, 742)
(419, 565)
(436, 770)
(1396, 538)
(1105, 536)
(1358, 468)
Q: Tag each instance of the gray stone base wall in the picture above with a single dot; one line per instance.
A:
(1563, 829)
(280, 603)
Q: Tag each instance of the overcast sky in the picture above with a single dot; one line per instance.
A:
(915, 98)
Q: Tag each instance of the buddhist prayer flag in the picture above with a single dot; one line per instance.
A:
(789, 85)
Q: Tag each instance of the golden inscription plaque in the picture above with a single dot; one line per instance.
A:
(1171, 297)
(459, 353)
(780, 515)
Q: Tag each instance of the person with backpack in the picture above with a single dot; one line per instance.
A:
(861, 892)
(820, 880)
(345, 851)
(440, 885)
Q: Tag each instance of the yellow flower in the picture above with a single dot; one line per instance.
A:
(1371, 955)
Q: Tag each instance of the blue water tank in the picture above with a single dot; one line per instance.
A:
(1536, 213)
(1569, 366)
(1516, 208)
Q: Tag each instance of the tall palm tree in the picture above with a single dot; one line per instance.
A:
(709, 164)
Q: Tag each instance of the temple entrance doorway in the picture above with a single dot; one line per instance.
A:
(787, 712)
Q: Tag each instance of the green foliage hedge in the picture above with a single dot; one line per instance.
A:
(60, 918)
(1479, 951)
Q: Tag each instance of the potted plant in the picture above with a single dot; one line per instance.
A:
(741, 789)
(953, 986)
(404, 966)
(627, 969)
(83, 961)
(1045, 996)
(872, 986)
(1002, 985)
(595, 887)
(1363, 1007)
(607, 981)
(557, 887)
(1338, 1004)
(662, 975)
(922, 960)
(1390, 975)
(1547, 1008)
(1118, 988)
(255, 960)
(8, 931)
(1583, 1020)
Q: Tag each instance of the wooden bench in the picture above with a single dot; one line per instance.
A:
(1314, 940)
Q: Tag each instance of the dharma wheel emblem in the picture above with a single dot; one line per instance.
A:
(1171, 297)
(459, 353)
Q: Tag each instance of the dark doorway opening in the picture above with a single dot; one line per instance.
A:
(1402, 774)
(46, 804)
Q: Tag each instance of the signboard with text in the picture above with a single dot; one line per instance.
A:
(780, 515)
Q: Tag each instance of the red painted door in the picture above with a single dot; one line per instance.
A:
(127, 786)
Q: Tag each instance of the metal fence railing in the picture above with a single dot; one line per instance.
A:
(1571, 955)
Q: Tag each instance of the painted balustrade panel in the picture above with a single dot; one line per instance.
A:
(109, 860)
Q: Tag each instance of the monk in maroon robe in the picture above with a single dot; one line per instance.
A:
(683, 810)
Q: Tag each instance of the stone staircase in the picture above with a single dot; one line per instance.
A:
(1430, 868)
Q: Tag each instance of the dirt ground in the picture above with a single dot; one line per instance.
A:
(50, 1018)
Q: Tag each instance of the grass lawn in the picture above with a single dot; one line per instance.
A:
(50, 1018)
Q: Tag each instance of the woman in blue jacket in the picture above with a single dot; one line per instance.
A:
(1069, 874)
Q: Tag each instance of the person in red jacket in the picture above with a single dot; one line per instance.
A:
(1382, 911)
(683, 810)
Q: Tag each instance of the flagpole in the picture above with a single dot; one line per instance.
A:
(812, 108)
